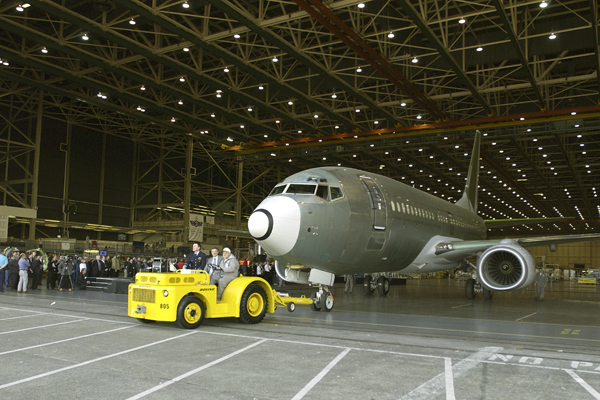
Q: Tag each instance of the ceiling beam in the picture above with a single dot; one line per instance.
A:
(515, 43)
(414, 15)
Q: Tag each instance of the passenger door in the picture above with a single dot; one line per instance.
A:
(378, 206)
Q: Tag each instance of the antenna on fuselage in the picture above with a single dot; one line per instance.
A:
(469, 197)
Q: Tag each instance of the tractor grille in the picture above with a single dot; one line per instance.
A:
(143, 295)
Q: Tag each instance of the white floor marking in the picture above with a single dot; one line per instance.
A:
(57, 371)
(464, 305)
(64, 340)
(22, 316)
(436, 385)
(320, 376)
(449, 379)
(583, 383)
(43, 326)
(527, 316)
(192, 372)
(70, 316)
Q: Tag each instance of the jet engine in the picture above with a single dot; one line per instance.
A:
(506, 266)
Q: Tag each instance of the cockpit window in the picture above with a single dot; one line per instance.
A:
(277, 190)
(296, 188)
(322, 192)
(336, 193)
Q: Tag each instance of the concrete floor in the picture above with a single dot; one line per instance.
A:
(423, 341)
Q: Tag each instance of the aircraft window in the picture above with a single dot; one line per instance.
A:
(322, 192)
(393, 206)
(277, 190)
(296, 188)
(336, 193)
(403, 208)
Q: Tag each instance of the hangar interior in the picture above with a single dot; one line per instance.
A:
(123, 117)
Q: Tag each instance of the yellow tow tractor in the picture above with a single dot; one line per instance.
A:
(187, 297)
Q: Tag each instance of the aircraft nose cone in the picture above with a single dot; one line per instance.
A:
(275, 224)
(260, 224)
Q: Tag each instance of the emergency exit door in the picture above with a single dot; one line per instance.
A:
(378, 208)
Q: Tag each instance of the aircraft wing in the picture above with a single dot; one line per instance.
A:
(459, 250)
(503, 223)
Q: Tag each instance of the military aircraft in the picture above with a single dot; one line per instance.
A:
(330, 221)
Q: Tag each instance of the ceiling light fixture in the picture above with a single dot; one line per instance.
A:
(185, 5)
(275, 59)
(479, 48)
(261, 87)
(132, 21)
(359, 70)
(543, 4)
(85, 36)
(334, 96)
(186, 49)
(361, 5)
(182, 79)
(226, 70)
(415, 60)
(462, 20)
(44, 50)
(552, 36)
(391, 35)
(236, 36)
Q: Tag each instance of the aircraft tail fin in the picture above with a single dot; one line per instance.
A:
(469, 197)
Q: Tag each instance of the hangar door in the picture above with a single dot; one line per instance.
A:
(378, 207)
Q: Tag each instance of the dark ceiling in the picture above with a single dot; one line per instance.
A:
(327, 84)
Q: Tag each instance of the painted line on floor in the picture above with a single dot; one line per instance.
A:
(192, 372)
(22, 316)
(437, 384)
(311, 322)
(57, 371)
(583, 383)
(464, 305)
(449, 379)
(527, 316)
(65, 340)
(321, 375)
(74, 316)
(43, 326)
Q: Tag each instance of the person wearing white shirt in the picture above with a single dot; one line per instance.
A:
(212, 263)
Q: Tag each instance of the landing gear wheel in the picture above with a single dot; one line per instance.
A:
(470, 289)
(367, 285)
(383, 285)
(253, 306)
(190, 312)
(326, 301)
(291, 307)
(316, 305)
(488, 294)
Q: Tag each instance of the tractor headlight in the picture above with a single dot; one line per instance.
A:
(166, 293)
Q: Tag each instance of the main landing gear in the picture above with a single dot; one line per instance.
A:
(372, 282)
(472, 288)
(322, 299)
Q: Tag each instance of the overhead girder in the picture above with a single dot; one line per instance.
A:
(416, 17)
(515, 42)
(249, 22)
(230, 59)
(97, 29)
(343, 32)
(596, 38)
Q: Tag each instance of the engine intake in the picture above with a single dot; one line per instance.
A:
(506, 266)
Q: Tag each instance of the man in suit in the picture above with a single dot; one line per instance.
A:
(36, 267)
(196, 259)
(96, 267)
(212, 263)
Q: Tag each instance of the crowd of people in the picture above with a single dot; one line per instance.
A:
(24, 272)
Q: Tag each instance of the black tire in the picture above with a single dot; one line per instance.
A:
(367, 285)
(316, 305)
(383, 285)
(488, 294)
(470, 289)
(146, 321)
(190, 312)
(326, 302)
(291, 307)
(253, 306)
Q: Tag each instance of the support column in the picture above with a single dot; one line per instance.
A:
(36, 164)
(134, 169)
(101, 196)
(238, 201)
(66, 208)
(188, 189)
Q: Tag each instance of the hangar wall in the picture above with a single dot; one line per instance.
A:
(567, 255)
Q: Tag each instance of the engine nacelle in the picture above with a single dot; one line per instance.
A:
(506, 266)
